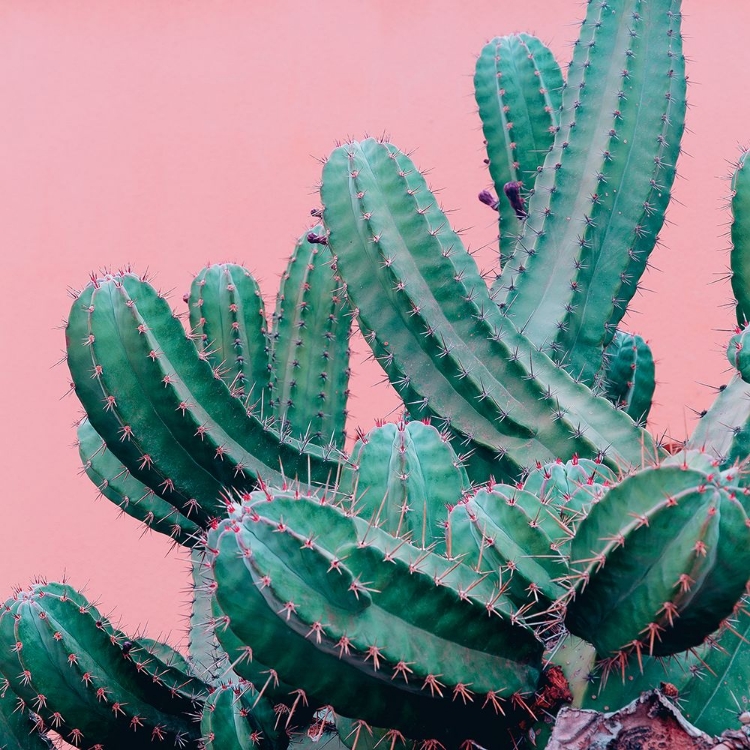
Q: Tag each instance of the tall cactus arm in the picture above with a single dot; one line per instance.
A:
(599, 202)
(518, 88)
(420, 292)
(740, 233)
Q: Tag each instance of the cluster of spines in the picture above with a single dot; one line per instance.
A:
(591, 228)
(444, 342)
(518, 88)
(310, 346)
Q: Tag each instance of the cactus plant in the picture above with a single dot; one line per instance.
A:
(515, 541)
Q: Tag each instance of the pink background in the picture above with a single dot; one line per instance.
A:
(169, 134)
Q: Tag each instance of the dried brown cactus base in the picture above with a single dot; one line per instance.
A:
(649, 723)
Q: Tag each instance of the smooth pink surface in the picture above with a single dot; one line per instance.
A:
(169, 134)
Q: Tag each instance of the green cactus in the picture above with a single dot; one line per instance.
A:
(627, 375)
(598, 204)
(405, 477)
(87, 680)
(518, 86)
(228, 322)
(310, 346)
(661, 562)
(444, 585)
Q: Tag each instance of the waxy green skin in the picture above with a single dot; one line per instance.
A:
(306, 564)
(661, 561)
(236, 717)
(65, 659)
(160, 408)
(117, 484)
(228, 324)
(419, 295)
(518, 88)
(18, 731)
(405, 477)
(598, 204)
(740, 234)
(628, 375)
(310, 334)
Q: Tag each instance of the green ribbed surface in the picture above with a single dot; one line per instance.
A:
(115, 482)
(281, 555)
(67, 661)
(599, 203)
(628, 376)
(310, 347)
(405, 477)
(518, 88)
(228, 322)
(660, 561)
(159, 407)
(438, 334)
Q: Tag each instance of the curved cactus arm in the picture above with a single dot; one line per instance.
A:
(628, 375)
(310, 346)
(161, 409)
(115, 482)
(236, 717)
(660, 561)
(358, 735)
(87, 680)
(420, 292)
(599, 202)
(740, 234)
(518, 88)
(228, 323)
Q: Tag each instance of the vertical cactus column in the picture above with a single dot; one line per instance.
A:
(599, 202)
(310, 346)
(518, 87)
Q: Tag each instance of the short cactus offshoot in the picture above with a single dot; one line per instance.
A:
(517, 540)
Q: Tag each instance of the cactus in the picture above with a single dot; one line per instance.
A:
(310, 346)
(518, 86)
(517, 542)
(405, 477)
(628, 375)
(227, 320)
(598, 204)
(662, 562)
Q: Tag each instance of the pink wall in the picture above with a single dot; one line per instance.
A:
(168, 134)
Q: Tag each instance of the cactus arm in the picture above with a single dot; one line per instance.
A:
(405, 477)
(599, 203)
(628, 375)
(18, 729)
(72, 665)
(740, 235)
(227, 319)
(432, 310)
(310, 346)
(115, 482)
(660, 561)
(159, 407)
(517, 85)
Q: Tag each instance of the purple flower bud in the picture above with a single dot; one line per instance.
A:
(488, 199)
(512, 192)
